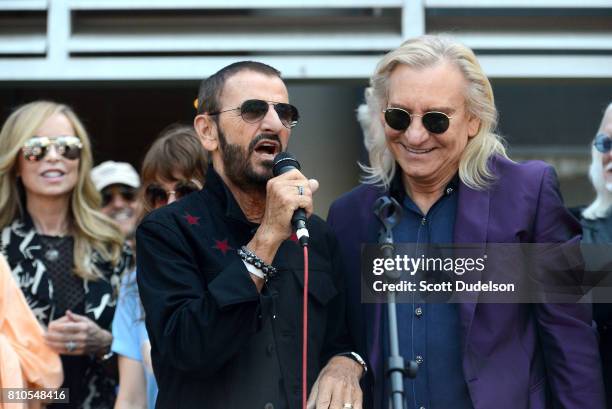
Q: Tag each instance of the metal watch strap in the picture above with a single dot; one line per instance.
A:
(357, 358)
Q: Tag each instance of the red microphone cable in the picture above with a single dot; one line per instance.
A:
(305, 331)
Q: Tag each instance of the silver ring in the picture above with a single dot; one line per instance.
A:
(70, 346)
(347, 406)
(300, 190)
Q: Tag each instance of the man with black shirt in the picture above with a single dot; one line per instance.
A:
(225, 331)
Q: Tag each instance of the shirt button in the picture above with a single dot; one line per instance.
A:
(421, 407)
(419, 359)
(418, 311)
(448, 192)
(268, 406)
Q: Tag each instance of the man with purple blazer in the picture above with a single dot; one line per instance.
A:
(429, 131)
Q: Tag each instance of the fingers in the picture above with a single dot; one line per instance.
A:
(66, 344)
(285, 194)
(312, 398)
(339, 393)
(76, 317)
(314, 185)
(358, 399)
(324, 397)
(67, 348)
(67, 328)
(67, 337)
(351, 395)
(292, 175)
(338, 386)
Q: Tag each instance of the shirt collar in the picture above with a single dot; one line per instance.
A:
(226, 199)
(398, 192)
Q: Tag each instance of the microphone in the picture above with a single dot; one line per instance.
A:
(283, 163)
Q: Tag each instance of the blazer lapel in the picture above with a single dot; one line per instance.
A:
(373, 312)
(471, 226)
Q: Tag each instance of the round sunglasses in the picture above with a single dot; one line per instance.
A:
(400, 119)
(37, 147)
(603, 143)
(156, 195)
(253, 110)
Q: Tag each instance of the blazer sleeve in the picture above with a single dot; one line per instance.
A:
(193, 325)
(569, 341)
(337, 336)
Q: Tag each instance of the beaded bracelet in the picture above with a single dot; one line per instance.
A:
(251, 258)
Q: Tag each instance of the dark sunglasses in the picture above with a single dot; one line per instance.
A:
(37, 147)
(400, 119)
(253, 110)
(127, 193)
(603, 143)
(156, 195)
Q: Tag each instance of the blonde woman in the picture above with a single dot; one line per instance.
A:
(67, 256)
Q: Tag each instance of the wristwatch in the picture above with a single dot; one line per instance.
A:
(357, 358)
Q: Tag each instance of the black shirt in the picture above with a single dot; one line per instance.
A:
(207, 323)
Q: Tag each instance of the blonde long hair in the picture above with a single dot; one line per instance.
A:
(93, 232)
(418, 53)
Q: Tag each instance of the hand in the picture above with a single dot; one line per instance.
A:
(282, 200)
(337, 385)
(84, 334)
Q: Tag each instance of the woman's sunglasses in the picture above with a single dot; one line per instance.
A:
(400, 119)
(253, 110)
(156, 195)
(603, 143)
(37, 147)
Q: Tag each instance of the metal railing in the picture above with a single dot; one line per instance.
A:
(318, 39)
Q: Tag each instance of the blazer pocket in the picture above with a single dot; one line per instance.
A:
(320, 285)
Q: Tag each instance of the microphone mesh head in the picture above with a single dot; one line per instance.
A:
(284, 162)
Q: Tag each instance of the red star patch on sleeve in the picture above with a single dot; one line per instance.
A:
(192, 220)
(222, 246)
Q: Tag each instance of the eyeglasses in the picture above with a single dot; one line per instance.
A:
(127, 193)
(400, 119)
(253, 110)
(37, 147)
(603, 143)
(156, 195)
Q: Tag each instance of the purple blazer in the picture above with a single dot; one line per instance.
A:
(515, 356)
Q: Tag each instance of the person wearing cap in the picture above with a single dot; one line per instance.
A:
(118, 183)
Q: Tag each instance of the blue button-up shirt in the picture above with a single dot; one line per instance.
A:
(430, 333)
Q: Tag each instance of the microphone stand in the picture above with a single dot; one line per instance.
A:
(389, 212)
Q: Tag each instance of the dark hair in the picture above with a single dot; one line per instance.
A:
(212, 87)
(176, 151)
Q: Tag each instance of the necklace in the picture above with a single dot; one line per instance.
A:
(52, 245)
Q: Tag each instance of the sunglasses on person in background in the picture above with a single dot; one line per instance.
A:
(400, 119)
(253, 110)
(603, 143)
(156, 195)
(37, 147)
(127, 193)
